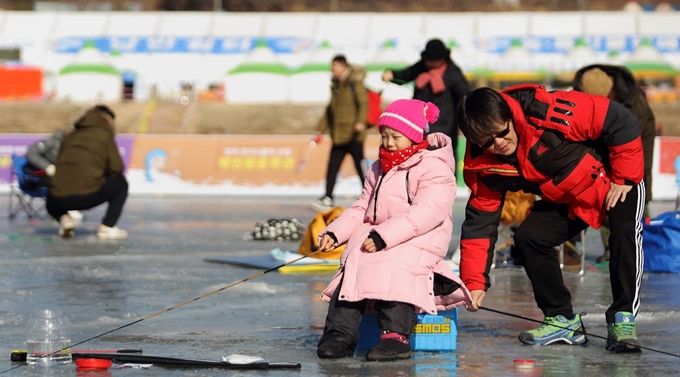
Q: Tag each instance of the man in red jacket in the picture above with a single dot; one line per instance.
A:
(583, 156)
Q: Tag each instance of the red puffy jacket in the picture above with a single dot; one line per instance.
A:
(571, 147)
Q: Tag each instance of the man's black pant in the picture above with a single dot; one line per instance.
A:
(338, 152)
(114, 191)
(548, 225)
(343, 318)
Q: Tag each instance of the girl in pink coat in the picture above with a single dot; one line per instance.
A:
(397, 234)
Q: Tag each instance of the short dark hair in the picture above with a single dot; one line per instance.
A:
(340, 59)
(106, 109)
(480, 111)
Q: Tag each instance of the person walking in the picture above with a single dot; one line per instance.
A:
(345, 119)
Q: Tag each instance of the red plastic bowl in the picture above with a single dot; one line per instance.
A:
(524, 363)
(93, 364)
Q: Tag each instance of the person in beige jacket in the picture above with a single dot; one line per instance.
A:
(345, 119)
(89, 172)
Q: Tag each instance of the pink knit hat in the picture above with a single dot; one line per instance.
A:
(410, 117)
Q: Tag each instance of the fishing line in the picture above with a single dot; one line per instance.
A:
(171, 308)
(576, 331)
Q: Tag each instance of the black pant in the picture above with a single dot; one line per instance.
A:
(114, 191)
(343, 318)
(338, 152)
(548, 225)
(33, 181)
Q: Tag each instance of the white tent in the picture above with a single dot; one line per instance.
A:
(633, 6)
(647, 62)
(310, 82)
(614, 58)
(579, 55)
(89, 78)
(463, 59)
(665, 7)
(645, 52)
(387, 57)
(260, 79)
(516, 61)
(517, 64)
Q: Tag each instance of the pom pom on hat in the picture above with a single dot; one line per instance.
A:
(596, 82)
(411, 117)
(431, 113)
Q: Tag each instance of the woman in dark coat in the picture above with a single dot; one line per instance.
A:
(438, 80)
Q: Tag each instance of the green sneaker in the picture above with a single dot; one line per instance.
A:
(557, 329)
(621, 334)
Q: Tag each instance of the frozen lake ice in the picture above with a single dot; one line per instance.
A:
(101, 286)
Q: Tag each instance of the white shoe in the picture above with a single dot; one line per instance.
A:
(76, 216)
(324, 204)
(113, 233)
(66, 227)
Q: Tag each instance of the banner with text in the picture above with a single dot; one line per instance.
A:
(266, 164)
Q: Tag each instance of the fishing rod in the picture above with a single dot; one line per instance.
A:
(174, 307)
(576, 331)
(398, 81)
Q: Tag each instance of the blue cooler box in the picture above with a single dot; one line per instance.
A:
(431, 333)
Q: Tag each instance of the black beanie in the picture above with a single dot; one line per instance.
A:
(435, 50)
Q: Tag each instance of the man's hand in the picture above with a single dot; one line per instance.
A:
(615, 193)
(387, 76)
(369, 246)
(359, 127)
(326, 243)
(477, 298)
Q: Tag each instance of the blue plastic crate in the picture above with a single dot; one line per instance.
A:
(431, 333)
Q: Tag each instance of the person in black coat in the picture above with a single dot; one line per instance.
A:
(438, 80)
(618, 84)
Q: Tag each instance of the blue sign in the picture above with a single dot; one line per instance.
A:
(286, 45)
(171, 44)
(562, 45)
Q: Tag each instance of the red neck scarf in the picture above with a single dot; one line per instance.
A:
(388, 160)
(434, 77)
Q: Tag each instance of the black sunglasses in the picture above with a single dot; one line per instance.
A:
(493, 138)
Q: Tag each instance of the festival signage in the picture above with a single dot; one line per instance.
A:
(18, 144)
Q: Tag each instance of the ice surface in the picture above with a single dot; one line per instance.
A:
(101, 286)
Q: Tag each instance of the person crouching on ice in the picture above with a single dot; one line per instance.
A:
(582, 154)
(397, 234)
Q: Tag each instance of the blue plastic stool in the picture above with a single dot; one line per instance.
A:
(431, 332)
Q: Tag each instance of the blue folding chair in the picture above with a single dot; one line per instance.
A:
(25, 191)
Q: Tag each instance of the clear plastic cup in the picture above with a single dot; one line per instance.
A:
(48, 338)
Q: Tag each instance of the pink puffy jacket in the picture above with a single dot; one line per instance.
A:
(417, 235)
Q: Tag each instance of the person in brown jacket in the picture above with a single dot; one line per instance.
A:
(345, 118)
(89, 172)
(618, 83)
